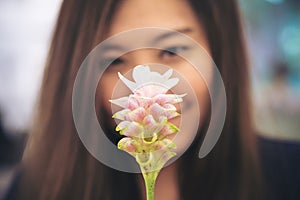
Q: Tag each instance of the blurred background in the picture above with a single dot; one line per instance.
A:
(25, 33)
(273, 36)
(272, 30)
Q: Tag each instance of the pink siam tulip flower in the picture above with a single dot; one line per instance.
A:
(145, 121)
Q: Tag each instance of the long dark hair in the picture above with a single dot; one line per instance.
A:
(56, 165)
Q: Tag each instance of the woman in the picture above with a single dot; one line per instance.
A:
(56, 165)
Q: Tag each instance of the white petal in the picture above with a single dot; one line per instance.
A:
(122, 102)
(137, 115)
(171, 83)
(141, 74)
(134, 129)
(168, 129)
(170, 107)
(121, 114)
(156, 78)
(168, 98)
(131, 85)
(156, 111)
(129, 145)
(151, 126)
(122, 125)
(151, 90)
(168, 74)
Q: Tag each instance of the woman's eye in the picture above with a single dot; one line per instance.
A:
(111, 62)
(117, 61)
(173, 51)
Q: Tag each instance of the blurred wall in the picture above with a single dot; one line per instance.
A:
(25, 31)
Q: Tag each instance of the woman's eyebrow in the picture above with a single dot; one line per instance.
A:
(111, 47)
(172, 33)
(167, 34)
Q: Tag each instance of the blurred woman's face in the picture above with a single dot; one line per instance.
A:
(171, 14)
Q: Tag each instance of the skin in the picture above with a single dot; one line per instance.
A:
(175, 15)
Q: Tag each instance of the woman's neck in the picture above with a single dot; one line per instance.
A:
(166, 186)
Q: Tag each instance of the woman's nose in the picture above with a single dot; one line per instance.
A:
(143, 57)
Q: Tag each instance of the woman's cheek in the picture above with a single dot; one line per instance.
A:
(104, 91)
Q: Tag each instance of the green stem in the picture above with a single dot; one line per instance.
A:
(150, 178)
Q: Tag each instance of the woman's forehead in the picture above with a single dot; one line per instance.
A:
(171, 14)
